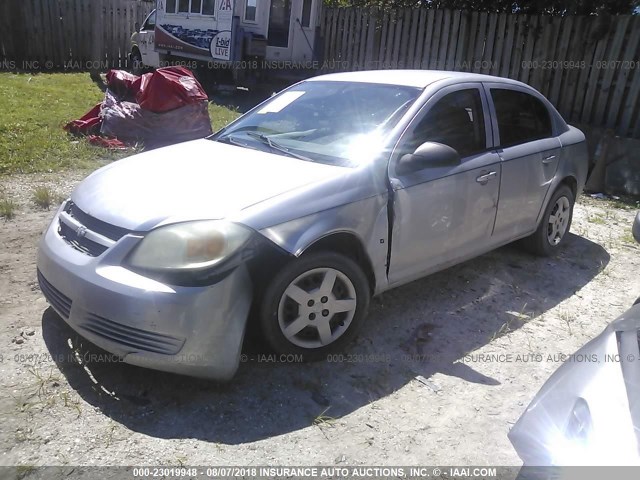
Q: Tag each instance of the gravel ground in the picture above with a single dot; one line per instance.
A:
(420, 386)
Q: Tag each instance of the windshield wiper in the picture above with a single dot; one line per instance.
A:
(277, 147)
(231, 140)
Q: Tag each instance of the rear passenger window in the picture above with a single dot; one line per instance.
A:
(521, 117)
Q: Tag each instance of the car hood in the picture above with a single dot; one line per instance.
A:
(202, 179)
(596, 393)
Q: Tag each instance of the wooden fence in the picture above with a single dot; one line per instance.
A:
(50, 35)
(589, 67)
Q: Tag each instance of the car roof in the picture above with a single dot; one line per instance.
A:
(411, 78)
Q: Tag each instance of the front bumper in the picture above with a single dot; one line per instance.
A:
(195, 331)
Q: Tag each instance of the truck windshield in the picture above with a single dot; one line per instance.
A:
(340, 123)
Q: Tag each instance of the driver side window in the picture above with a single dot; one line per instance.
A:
(150, 24)
(456, 120)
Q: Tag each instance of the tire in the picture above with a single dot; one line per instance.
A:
(319, 320)
(553, 229)
(137, 67)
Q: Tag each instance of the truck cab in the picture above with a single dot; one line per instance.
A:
(282, 33)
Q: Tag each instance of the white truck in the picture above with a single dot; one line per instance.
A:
(278, 34)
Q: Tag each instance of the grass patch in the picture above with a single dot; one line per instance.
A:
(221, 116)
(597, 219)
(7, 208)
(23, 471)
(323, 420)
(33, 110)
(43, 197)
(568, 318)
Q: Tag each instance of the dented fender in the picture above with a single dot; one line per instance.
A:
(366, 220)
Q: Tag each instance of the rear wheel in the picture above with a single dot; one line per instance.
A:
(314, 305)
(555, 224)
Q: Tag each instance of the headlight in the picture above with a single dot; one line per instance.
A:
(574, 445)
(614, 442)
(188, 246)
(579, 426)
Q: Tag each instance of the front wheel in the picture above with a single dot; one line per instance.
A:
(314, 305)
(555, 224)
(137, 67)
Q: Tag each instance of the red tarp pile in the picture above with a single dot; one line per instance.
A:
(158, 108)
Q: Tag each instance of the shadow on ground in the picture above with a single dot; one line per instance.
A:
(443, 316)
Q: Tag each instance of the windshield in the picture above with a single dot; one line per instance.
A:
(339, 123)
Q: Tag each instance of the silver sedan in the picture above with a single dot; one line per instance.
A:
(334, 190)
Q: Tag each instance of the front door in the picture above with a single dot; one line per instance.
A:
(443, 214)
(279, 31)
(146, 42)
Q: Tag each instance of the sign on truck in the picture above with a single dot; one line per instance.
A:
(200, 29)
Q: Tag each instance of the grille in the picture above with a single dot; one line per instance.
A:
(80, 243)
(57, 300)
(79, 239)
(132, 337)
(103, 228)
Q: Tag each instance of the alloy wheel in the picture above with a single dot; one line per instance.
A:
(558, 220)
(317, 308)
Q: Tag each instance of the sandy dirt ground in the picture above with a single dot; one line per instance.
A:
(418, 387)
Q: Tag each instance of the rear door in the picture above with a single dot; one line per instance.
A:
(443, 214)
(529, 151)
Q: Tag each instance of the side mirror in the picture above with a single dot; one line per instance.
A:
(137, 27)
(428, 155)
(636, 228)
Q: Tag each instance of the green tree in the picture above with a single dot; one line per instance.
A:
(548, 7)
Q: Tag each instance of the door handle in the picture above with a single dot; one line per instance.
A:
(484, 179)
(549, 159)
